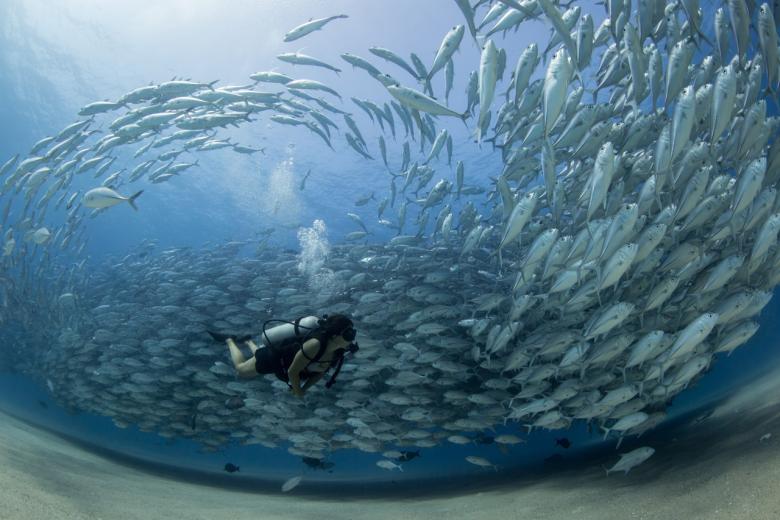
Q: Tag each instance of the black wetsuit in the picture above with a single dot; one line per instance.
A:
(277, 359)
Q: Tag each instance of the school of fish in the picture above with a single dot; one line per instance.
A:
(631, 236)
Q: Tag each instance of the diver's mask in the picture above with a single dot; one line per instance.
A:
(349, 334)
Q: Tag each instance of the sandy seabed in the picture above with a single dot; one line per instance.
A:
(712, 467)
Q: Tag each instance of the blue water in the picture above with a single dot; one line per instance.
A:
(58, 56)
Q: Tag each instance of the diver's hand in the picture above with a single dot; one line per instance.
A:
(297, 392)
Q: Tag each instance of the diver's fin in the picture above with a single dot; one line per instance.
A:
(219, 336)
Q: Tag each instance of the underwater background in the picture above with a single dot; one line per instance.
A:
(251, 210)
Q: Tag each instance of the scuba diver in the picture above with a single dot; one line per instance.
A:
(303, 349)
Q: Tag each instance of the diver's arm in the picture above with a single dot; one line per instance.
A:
(294, 372)
(312, 380)
(300, 362)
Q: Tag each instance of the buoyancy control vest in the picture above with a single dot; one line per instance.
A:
(287, 338)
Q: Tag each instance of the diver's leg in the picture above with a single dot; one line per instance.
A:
(235, 353)
(247, 370)
(251, 345)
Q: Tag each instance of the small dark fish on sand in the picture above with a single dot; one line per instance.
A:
(406, 456)
(315, 463)
(234, 403)
(563, 442)
(484, 439)
(231, 468)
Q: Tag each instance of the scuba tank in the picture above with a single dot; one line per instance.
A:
(287, 330)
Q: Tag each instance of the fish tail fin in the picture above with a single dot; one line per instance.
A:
(427, 87)
(132, 198)
(635, 110)
(426, 81)
(697, 29)
(465, 115)
(578, 77)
